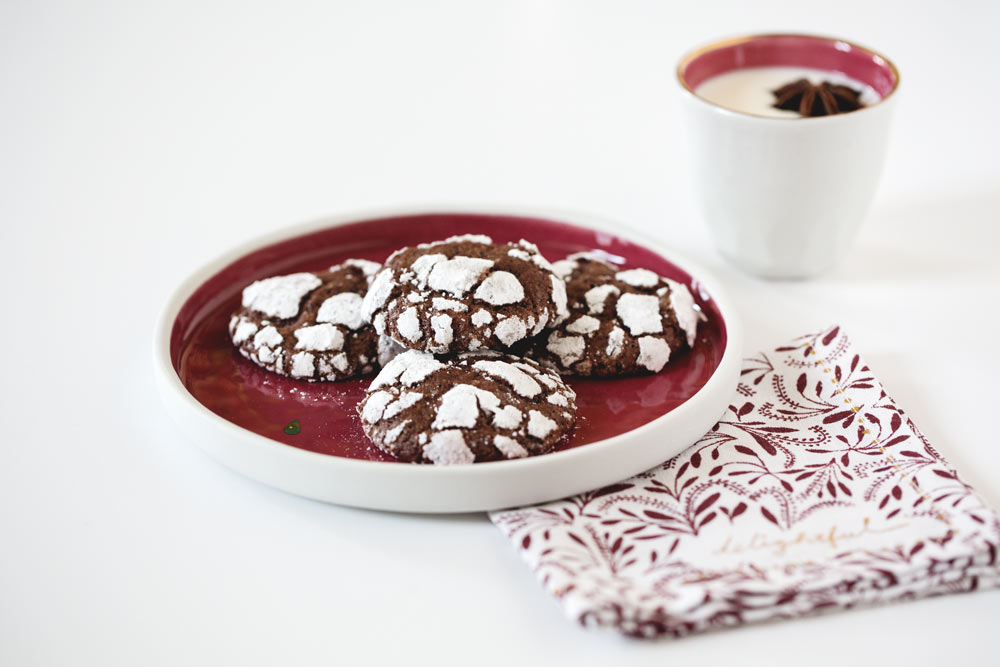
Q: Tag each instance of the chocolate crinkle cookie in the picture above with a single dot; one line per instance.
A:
(465, 293)
(476, 406)
(622, 321)
(309, 325)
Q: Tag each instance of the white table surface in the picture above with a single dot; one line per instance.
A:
(140, 140)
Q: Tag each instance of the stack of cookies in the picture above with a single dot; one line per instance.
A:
(472, 338)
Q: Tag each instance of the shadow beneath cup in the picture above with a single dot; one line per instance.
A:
(942, 238)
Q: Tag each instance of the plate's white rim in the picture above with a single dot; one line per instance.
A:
(173, 388)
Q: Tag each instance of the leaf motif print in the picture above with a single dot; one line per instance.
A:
(814, 491)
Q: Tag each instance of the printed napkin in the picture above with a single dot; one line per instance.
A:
(814, 491)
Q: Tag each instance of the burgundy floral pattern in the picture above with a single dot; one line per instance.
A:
(814, 491)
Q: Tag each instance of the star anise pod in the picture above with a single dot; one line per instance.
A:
(809, 99)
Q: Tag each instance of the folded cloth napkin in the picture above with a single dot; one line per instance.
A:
(814, 491)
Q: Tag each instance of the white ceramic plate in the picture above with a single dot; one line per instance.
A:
(647, 424)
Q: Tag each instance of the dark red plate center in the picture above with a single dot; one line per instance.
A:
(259, 401)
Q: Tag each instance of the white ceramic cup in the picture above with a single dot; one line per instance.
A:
(784, 197)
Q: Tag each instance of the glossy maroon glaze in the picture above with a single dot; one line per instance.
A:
(793, 51)
(259, 401)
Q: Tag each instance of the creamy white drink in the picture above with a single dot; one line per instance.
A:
(750, 89)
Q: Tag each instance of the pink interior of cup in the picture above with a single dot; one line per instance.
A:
(792, 51)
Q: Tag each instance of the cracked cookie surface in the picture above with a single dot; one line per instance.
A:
(476, 406)
(309, 326)
(621, 322)
(465, 293)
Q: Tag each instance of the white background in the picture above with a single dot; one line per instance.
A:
(140, 140)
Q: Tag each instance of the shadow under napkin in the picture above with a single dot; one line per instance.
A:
(815, 491)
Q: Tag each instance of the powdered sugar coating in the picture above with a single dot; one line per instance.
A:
(596, 297)
(638, 277)
(375, 406)
(319, 338)
(405, 400)
(573, 262)
(481, 239)
(547, 381)
(449, 304)
(685, 310)
(563, 268)
(559, 298)
(367, 267)
(654, 353)
(500, 288)
(567, 348)
(448, 448)
(377, 294)
(460, 406)
(409, 325)
(509, 447)
(520, 382)
(423, 265)
(339, 362)
(584, 324)
(485, 405)
(509, 289)
(508, 417)
(407, 369)
(481, 317)
(510, 330)
(623, 320)
(392, 434)
(535, 253)
(640, 313)
(268, 337)
(443, 334)
(303, 364)
(281, 296)
(616, 341)
(539, 425)
(242, 329)
(323, 336)
(540, 324)
(457, 275)
(558, 399)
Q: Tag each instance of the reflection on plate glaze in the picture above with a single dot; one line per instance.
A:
(333, 394)
(663, 390)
